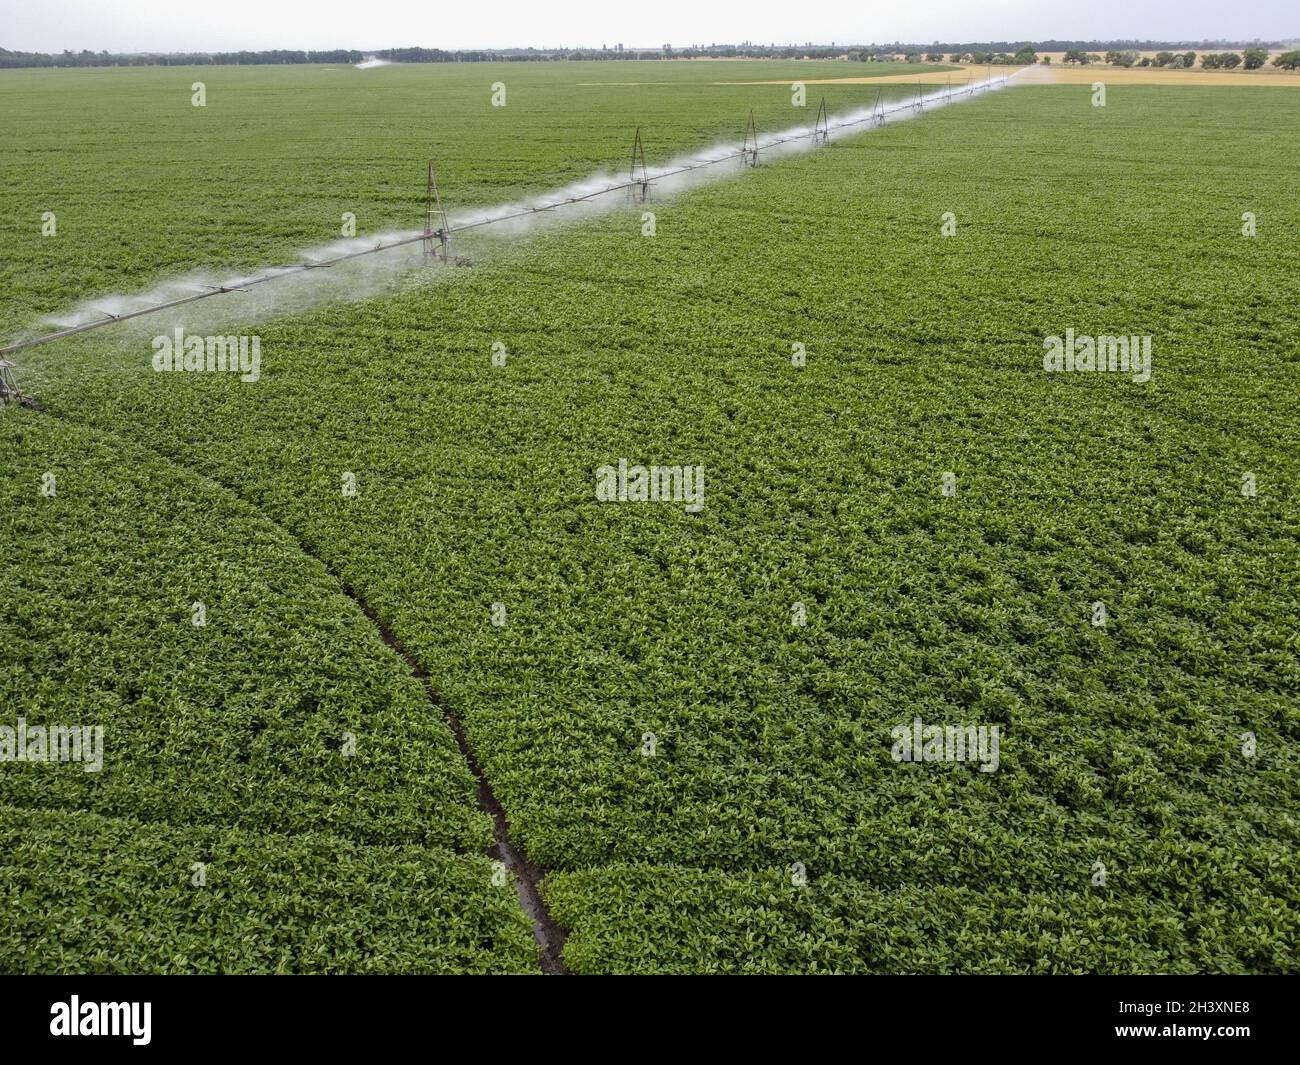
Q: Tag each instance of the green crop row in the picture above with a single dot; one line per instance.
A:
(661, 919)
(771, 742)
(84, 894)
(280, 745)
(283, 712)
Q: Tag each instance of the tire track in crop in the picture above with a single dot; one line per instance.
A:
(528, 875)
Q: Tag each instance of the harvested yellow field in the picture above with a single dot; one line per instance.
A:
(1085, 75)
(1069, 74)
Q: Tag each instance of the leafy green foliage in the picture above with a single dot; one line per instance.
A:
(86, 894)
(639, 919)
(240, 722)
(1121, 745)
(222, 744)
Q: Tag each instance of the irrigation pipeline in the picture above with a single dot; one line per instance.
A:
(876, 116)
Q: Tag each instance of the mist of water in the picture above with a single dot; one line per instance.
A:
(298, 291)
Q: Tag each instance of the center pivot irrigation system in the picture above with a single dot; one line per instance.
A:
(437, 233)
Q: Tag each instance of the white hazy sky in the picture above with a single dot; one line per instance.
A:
(223, 25)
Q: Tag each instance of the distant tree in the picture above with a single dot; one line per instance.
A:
(1047, 59)
(1075, 56)
(1231, 60)
(1025, 56)
(1211, 61)
(1145, 61)
(1189, 59)
(933, 57)
(1163, 59)
(955, 58)
(1121, 59)
(1288, 60)
(913, 57)
(1093, 57)
(1254, 58)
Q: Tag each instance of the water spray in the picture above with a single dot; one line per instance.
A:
(439, 228)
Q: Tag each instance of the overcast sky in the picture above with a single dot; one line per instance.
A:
(190, 25)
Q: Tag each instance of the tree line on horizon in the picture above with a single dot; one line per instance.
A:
(1249, 58)
(1001, 52)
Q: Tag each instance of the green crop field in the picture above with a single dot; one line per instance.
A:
(687, 715)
